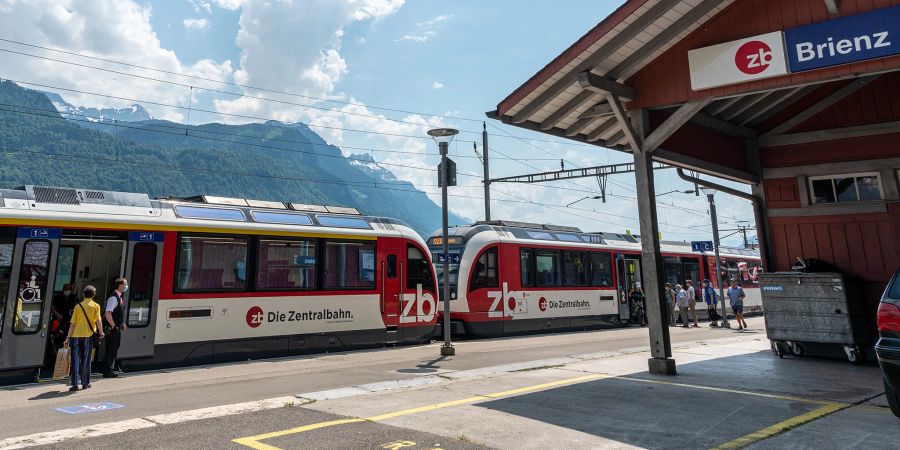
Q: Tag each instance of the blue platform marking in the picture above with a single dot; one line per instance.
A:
(89, 407)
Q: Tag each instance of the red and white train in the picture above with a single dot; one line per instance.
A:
(211, 279)
(515, 277)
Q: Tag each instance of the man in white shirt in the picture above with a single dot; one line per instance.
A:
(681, 297)
(114, 323)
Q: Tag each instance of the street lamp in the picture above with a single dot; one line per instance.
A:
(443, 136)
(710, 193)
(596, 197)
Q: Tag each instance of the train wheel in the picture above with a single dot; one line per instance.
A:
(796, 349)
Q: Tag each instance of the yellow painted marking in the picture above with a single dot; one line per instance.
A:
(398, 445)
(781, 427)
(253, 441)
(148, 226)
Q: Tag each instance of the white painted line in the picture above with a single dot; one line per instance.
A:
(485, 372)
(53, 437)
(332, 394)
(225, 410)
(400, 384)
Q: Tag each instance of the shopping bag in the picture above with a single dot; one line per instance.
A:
(63, 364)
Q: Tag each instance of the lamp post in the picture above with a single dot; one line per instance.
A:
(710, 193)
(443, 136)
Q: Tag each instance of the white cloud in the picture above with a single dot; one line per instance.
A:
(117, 30)
(437, 85)
(425, 30)
(201, 24)
(201, 6)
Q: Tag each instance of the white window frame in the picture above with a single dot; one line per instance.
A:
(812, 192)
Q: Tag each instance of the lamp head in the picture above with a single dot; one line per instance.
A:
(441, 135)
(708, 190)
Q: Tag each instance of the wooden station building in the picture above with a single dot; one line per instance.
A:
(800, 99)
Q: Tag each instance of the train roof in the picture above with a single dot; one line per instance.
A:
(573, 235)
(223, 212)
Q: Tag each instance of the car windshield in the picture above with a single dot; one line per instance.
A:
(894, 291)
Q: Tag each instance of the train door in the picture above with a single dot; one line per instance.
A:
(142, 268)
(419, 297)
(29, 259)
(629, 271)
(391, 276)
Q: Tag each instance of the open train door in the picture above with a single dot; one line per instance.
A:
(628, 268)
(26, 309)
(142, 268)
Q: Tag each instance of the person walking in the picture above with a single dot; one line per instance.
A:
(692, 305)
(736, 295)
(670, 303)
(712, 301)
(681, 296)
(115, 325)
(85, 322)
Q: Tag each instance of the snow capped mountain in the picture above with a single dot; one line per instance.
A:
(82, 114)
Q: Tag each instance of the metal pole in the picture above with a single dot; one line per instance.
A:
(447, 349)
(487, 174)
(715, 230)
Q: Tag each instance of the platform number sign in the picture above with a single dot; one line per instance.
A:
(702, 246)
(452, 258)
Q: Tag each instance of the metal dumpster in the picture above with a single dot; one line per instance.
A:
(813, 308)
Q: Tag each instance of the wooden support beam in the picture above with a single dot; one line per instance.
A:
(722, 105)
(746, 104)
(624, 122)
(600, 109)
(570, 106)
(579, 125)
(673, 123)
(601, 85)
(604, 128)
(702, 166)
(830, 135)
(722, 126)
(821, 105)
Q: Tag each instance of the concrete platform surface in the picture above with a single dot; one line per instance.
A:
(588, 390)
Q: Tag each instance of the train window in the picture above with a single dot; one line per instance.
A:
(673, 272)
(575, 268)
(197, 212)
(207, 263)
(526, 266)
(419, 271)
(281, 218)
(65, 267)
(286, 264)
(7, 245)
(540, 235)
(140, 292)
(546, 268)
(343, 222)
(484, 274)
(601, 269)
(33, 276)
(692, 271)
(567, 237)
(349, 265)
(392, 266)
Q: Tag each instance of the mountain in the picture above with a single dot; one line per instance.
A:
(266, 161)
(134, 113)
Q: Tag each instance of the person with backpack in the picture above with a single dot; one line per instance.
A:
(736, 295)
(711, 299)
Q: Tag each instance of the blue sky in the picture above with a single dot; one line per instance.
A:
(444, 63)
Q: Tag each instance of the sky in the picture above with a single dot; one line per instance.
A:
(370, 76)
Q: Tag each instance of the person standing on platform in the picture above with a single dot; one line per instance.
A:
(692, 305)
(670, 303)
(736, 295)
(681, 297)
(115, 325)
(712, 301)
(85, 322)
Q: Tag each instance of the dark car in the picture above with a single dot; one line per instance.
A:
(888, 345)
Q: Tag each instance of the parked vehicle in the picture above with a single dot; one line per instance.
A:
(888, 345)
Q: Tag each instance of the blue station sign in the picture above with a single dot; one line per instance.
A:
(452, 258)
(701, 246)
(850, 39)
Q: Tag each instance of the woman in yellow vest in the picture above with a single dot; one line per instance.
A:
(85, 322)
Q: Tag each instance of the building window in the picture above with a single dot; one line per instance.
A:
(286, 264)
(349, 265)
(859, 187)
(207, 263)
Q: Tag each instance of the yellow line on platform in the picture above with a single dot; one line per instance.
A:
(254, 441)
(781, 427)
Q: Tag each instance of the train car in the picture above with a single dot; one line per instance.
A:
(211, 279)
(517, 277)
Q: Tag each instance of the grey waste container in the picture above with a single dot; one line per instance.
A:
(813, 308)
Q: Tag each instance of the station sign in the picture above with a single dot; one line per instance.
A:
(748, 59)
(452, 258)
(39, 233)
(850, 39)
(701, 246)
